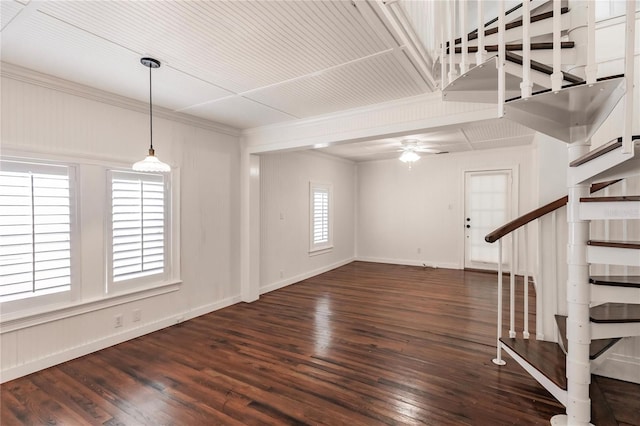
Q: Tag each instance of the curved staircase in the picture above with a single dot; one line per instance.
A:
(602, 310)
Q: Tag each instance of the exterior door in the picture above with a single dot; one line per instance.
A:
(487, 207)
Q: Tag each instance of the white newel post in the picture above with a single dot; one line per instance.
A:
(578, 297)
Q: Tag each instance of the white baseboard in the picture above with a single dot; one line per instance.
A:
(410, 262)
(297, 278)
(620, 367)
(111, 340)
(211, 307)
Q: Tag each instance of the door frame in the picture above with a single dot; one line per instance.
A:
(515, 197)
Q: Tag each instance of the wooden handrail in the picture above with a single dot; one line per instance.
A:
(538, 213)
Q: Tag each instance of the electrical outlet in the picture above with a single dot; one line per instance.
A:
(118, 321)
(419, 250)
(281, 274)
(137, 315)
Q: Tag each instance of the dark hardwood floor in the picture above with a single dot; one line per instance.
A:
(364, 344)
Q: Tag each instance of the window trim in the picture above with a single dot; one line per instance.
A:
(320, 248)
(148, 281)
(89, 292)
(31, 302)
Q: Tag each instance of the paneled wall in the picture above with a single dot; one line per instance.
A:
(284, 221)
(41, 119)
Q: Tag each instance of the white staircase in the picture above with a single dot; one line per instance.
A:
(601, 309)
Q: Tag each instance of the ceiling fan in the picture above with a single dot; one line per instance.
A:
(411, 147)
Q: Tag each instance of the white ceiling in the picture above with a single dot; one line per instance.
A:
(498, 133)
(241, 63)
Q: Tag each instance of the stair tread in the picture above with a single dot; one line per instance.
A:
(615, 244)
(597, 347)
(601, 150)
(516, 46)
(543, 68)
(546, 357)
(616, 280)
(610, 313)
(517, 23)
(610, 199)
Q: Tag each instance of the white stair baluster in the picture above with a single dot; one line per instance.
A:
(525, 331)
(556, 77)
(591, 69)
(512, 287)
(501, 60)
(526, 86)
(629, 70)
(452, 40)
(498, 359)
(443, 40)
(480, 52)
(464, 66)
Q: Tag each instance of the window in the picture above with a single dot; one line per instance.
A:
(139, 227)
(321, 218)
(36, 219)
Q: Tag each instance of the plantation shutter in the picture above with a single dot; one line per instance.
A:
(138, 225)
(320, 215)
(35, 229)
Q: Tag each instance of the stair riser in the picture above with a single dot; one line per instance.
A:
(607, 331)
(605, 293)
(539, 79)
(613, 256)
(627, 167)
(610, 210)
(598, 166)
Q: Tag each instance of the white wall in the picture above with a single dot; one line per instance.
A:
(284, 221)
(402, 210)
(38, 118)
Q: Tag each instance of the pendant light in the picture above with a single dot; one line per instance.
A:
(151, 163)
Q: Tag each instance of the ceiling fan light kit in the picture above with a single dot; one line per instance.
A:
(151, 163)
(409, 156)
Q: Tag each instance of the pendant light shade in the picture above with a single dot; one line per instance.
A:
(151, 163)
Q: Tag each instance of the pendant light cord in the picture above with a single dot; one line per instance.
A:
(150, 112)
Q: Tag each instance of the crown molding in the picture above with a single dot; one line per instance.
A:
(36, 78)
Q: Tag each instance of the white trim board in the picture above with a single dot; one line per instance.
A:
(620, 367)
(35, 78)
(410, 262)
(305, 275)
(94, 346)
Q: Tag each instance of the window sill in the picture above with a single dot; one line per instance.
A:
(320, 250)
(19, 320)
